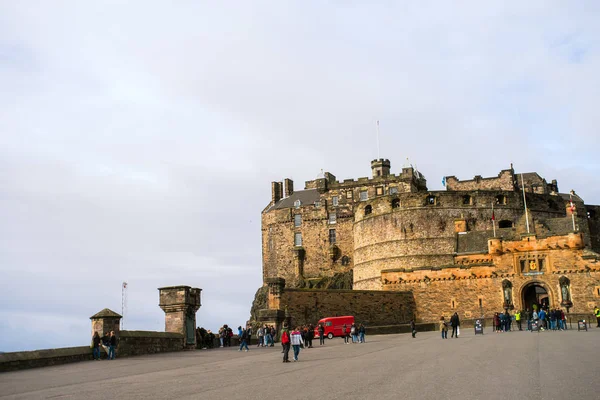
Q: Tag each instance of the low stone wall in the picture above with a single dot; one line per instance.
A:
(131, 343)
(371, 307)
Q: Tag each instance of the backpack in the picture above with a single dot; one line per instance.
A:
(285, 337)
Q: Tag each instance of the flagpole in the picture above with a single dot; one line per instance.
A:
(572, 209)
(525, 202)
(378, 139)
(493, 219)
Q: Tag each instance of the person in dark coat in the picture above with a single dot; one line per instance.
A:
(96, 346)
(413, 328)
(455, 323)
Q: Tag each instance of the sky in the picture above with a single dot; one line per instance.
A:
(138, 139)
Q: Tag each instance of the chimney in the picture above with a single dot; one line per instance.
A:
(276, 191)
(289, 187)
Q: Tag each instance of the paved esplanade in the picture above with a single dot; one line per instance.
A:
(515, 365)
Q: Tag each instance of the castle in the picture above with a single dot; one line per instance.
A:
(474, 248)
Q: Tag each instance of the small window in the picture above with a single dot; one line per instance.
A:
(368, 210)
(430, 200)
(297, 203)
(393, 190)
(349, 194)
(396, 203)
(541, 264)
(328, 323)
(467, 200)
(335, 201)
(480, 303)
(297, 220)
(501, 199)
(523, 265)
(505, 224)
(332, 218)
(379, 191)
(297, 239)
(363, 195)
(332, 236)
(453, 305)
(317, 204)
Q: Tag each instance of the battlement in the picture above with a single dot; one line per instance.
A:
(504, 181)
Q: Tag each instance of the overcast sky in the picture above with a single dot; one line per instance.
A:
(138, 140)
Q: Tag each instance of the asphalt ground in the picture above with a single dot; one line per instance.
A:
(513, 365)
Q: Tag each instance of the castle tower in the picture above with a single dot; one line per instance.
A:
(180, 304)
(380, 167)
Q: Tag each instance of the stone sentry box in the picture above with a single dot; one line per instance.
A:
(180, 304)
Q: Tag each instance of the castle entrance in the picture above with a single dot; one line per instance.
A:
(534, 293)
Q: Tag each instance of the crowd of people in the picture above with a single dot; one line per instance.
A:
(542, 319)
(108, 342)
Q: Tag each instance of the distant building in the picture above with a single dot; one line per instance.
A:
(389, 232)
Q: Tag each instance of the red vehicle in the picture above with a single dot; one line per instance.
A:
(334, 326)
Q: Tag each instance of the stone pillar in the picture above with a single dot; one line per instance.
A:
(276, 286)
(180, 304)
(106, 321)
(298, 262)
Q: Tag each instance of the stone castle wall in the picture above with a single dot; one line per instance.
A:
(374, 308)
(504, 181)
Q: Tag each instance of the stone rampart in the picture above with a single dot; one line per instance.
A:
(371, 307)
(131, 343)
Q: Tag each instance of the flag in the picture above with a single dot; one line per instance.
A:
(124, 285)
(493, 216)
(571, 202)
(444, 181)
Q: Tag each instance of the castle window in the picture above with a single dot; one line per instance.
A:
(332, 236)
(317, 204)
(297, 220)
(393, 190)
(505, 224)
(368, 210)
(297, 203)
(332, 218)
(363, 195)
(541, 264)
(467, 200)
(297, 239)
(379, 191)
(335, 201)
(430, 200)
(349, 194)
(346, 261)
(523, 265)
(396, 203)
(501, 199)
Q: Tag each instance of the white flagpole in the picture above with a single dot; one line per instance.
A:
(378, 139)
(525, 202)
(493, 219)
(572, 213)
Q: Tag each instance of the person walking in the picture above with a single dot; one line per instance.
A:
(96, 346)
(243, 335)
(413, 328)
(455, 323)
(321, 331)
(345, 333)
(310, 335)
(285, 342)
(112, 345)
(444, 328)
(296, 341)
(518, 319)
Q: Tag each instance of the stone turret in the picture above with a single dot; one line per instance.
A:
(180, 304)
(106, 321)
(380, 167)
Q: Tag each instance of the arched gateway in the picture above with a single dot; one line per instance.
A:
(535, 293)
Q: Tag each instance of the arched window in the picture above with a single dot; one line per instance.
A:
(501, 199)
(467, 200)
(368, 210)
(396, 203)
(505, 224)
(430, 200)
